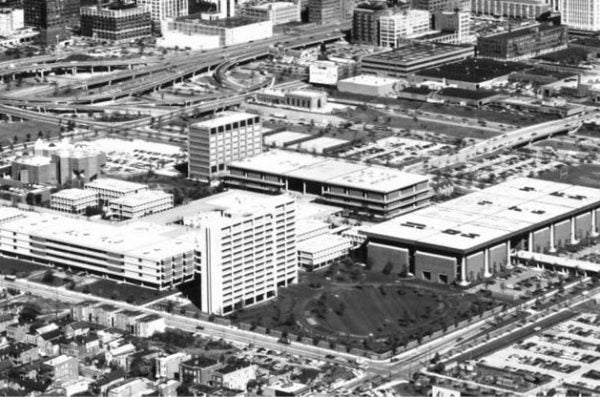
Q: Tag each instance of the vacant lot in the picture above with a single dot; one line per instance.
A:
(585, 175)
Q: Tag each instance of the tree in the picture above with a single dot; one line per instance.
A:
(48, 277)
(29, 313)
(387, 269)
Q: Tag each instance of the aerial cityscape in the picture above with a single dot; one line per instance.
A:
(375, 198)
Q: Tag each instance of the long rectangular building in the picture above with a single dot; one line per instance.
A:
(140, 253)
(378, 191)
(473, 236)
(411, 56)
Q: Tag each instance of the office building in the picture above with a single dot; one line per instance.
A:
(74, 201)
(444, 5)
(140, 204)
(473, 236)
(11, 20)
(457, 23)
(227, 137)
(198, 33)
(161, 10)
(380, 192)
(319, 252)
(245, 249)
(365, 21)
(117, 22)
(278, 12)
(580, 14)
(523, 43)
(521, 9)
(111, 189)
(140, 253)
(324, 12)
(394, 29)
(53, 18)
(410, 57)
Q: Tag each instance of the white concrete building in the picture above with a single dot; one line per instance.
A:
(161, 10)
(406, 24)
(74, 201)
(245, 249)
(318, 252)
(216, 142)
(148, 325)
(371, 85)
(110, 189)
(526, 9)
(228, 31)
(168, 366)
(580, 14)
(11, 20)
(278, 12)
(155, 256)
(140, 204)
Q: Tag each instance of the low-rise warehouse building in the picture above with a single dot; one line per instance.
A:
(464, 97)
(470, 74)
(473, 236)
(410, 57)
(370, 85)
(74, 201)
(380, 192)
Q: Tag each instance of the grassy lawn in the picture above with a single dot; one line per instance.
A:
(9, 130)
(364, 309)
(584, 174)
(19, 268)
(133, 294)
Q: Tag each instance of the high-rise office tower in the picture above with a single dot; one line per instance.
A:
(52, 18)
(444, 5)
(329, 11)
(160, 10)
(228, 137)
(580, 14)
(245, 249)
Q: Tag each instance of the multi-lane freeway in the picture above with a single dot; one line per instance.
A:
(514, 138)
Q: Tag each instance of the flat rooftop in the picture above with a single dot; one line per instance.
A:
(75, 194)
(141, 198)
(222, 23)
(138, 239)
(34, 160)
(224, 118)
(283, 137)
(274, 5)
(330, 171)
(473, 70)
(466, 94)
(115, 184)
(370, 79)
(416, 52)
(478, 219)
(236, 203)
